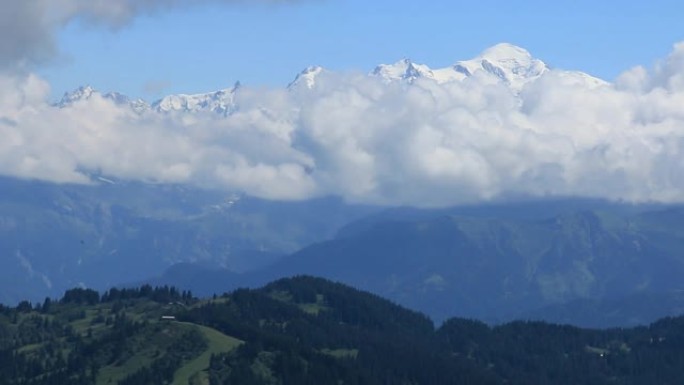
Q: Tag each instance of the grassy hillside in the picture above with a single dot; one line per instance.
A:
(195, 372)
(116, 339)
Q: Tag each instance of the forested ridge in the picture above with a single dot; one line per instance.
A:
(307, 330)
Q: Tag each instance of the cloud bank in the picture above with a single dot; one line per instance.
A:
(353, 135)
(419, 143)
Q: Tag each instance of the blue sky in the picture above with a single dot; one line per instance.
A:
(204, 48)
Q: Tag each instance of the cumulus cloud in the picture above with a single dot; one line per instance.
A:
(367, 140)
(27, 27)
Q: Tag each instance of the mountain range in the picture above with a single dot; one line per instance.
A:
(503, 63)
(220, 102)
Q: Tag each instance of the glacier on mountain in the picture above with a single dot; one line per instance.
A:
(221, 102)
(503, 63)
(404, 69)
(87, 92)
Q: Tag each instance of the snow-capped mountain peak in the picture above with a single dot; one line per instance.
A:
(81, 93)
(221, 102)
(503, 62)
(506, 52)
(86, 92)
(511, 64)
(404, 69)
(306, 78)
(138, 105)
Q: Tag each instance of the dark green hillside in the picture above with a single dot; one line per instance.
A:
(311, 331)
(308, 330)
(392, 345)
(539, 353)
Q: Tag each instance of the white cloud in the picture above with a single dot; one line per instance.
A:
(352, 135)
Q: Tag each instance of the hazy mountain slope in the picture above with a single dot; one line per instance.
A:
(58, 236)
(496, 269)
